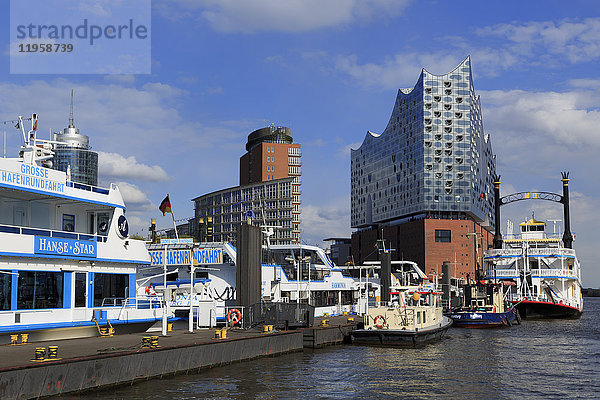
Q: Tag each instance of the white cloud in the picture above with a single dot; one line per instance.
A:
(527, 119)
(134, 197)
(116, 166)
(585, 83)
(345, 150)
(285, 16)
(547, 43)
(400, 70)
(120, 78)
(326, 220)
(577, 40)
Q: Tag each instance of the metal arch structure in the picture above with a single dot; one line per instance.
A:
(511, 198)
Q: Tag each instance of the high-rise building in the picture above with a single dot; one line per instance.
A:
(74, 154)
(272, 154)
(425, 182)
(269, 203)
(269, 192)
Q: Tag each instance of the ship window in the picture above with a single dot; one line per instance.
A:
(5, 290)
(40, 289)
(443, 235)
(418, 317)
(111, 289)
(68, 223)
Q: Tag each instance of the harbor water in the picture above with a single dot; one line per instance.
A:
(539, 359)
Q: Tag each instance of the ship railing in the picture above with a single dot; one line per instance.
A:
(138, 302)
(503, 253)
(89, 188)
(511, 273)
(23, 230)
(501, 273)
(554, 273)
(550, 251)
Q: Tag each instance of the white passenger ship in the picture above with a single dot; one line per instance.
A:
(67, 264)
(289, 272)
(544, 276)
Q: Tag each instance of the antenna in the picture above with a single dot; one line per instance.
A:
(71, 119)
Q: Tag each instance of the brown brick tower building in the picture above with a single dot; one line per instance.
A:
(269, 192)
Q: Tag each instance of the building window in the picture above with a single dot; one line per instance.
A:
(443, 236)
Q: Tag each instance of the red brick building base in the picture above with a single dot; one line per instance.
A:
(416, 241)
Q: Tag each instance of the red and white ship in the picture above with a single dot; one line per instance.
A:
(544, 275)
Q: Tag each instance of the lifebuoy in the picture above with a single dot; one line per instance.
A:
(148, 289)
(377, 318)
(234, 316)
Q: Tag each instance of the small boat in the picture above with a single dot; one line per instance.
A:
(413, 317)
(484, 306)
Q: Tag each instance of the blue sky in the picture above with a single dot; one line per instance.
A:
(330, 71)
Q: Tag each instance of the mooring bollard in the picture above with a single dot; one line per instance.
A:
(325, 322)
(24, 338)
(146, 342)
(52, 351)
(223, 333)
(40, 353)
(351, 319)
(14, 339)
(154, 341)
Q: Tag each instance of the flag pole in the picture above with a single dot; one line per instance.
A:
(174, 224)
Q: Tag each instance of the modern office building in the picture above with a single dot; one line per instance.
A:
(425, 183)
(339, 250)
(270, 180)
(74, 154)
(266, 203)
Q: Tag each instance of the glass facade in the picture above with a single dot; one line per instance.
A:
(432, 158)
(270, 202)
(83, 163)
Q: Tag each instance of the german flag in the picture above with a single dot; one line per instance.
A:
(165, 206)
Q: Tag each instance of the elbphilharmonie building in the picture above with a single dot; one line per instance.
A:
(432, 163)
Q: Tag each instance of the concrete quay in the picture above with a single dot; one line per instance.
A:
(95, 363)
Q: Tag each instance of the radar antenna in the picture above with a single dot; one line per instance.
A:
(71, 119)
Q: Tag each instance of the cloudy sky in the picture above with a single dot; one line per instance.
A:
(330, 71)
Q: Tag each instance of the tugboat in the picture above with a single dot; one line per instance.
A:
(413, 317)
(484, 306)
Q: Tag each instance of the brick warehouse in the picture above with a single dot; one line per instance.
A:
(425, 184)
